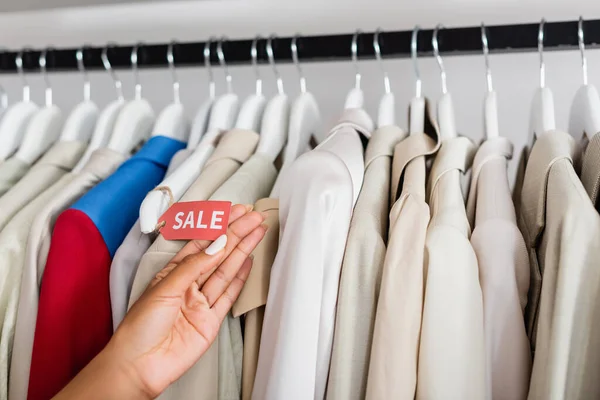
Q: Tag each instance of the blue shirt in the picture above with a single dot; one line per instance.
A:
(113, 205)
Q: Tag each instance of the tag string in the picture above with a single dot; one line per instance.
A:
(169, 192)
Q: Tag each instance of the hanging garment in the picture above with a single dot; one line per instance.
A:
(101, 164)
(203, 380)
(452, 348)
(13, 239)
(503, 272)
(361, 271)
(590, 170)
(318, 194)
(74, 319)
(128, 256)
(57, 161)
(561, 229)
(11, 171)
(253, 297)
(395, 349)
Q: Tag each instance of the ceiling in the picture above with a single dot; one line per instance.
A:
(31, 5)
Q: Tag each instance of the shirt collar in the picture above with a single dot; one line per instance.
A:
(358, 119)
(237, 144)
(103, 162)
(63, 154)
(549, 148)
(492, 149)
(382, 143)
(159, 150)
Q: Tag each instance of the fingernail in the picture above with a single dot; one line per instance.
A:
(265, 227)
(216, 246)
(249, 207)
(264, 214)
(251, 256)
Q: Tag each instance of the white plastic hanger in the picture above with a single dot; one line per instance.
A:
(108, 117)
(305, 117)
(172, 122)
(16, 118)
(225, 110)
(275, 122)
(81, 121)
(253, 108)
(584, 118)
(416, 118)
(157, 202)
(356, 97)
(135, 120)
(542, 107)
(386, 114)
(45, 126)
(445, 108)
(3, 100)
(200, 122)
(490, 111)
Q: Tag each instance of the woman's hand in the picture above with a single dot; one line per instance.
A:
(178, 317)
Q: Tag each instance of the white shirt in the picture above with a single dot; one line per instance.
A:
(317, 196)
(503, 272)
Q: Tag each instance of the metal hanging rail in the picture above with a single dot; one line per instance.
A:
(394, 44)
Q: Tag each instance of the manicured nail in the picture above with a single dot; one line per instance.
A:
(216, 246)
(265, 227)
(264, 214)
(249, 207)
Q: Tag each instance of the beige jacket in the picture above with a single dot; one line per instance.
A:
(361, 271)
(395, 348)
(503, 272)
(561, 230)
(253, 297)
(11, 171)
(452, 349)
(101, 164)
(57, 161)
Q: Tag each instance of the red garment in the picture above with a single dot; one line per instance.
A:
(74, 320)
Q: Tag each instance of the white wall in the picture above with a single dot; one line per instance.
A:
(515, 76)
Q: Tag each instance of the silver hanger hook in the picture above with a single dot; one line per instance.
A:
(171, 62)
(486, 52)
(582, 50)
(541, 52)
(87, 89)
(272, 62)
(413, 55)
(254, 56)
(221, 56)
(134, 69)
(436, 53)
(354, 50)
(43, 63)
(386, 78)
(108, 67)
(211, 78)
(296, 60)
(19, 65)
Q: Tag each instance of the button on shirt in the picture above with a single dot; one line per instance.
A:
(561, 229)
(318, 193)
(253, 296)
(101, 164)
(503, 272)
(395, 349)
(51, 167)
(361, 272)
(129, 254)
(202, 381)
(452, 349)
(74, 319)
(11, 171)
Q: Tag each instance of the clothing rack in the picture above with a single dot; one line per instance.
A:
(394, 44)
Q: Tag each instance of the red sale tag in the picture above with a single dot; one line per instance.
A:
(205, 220)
